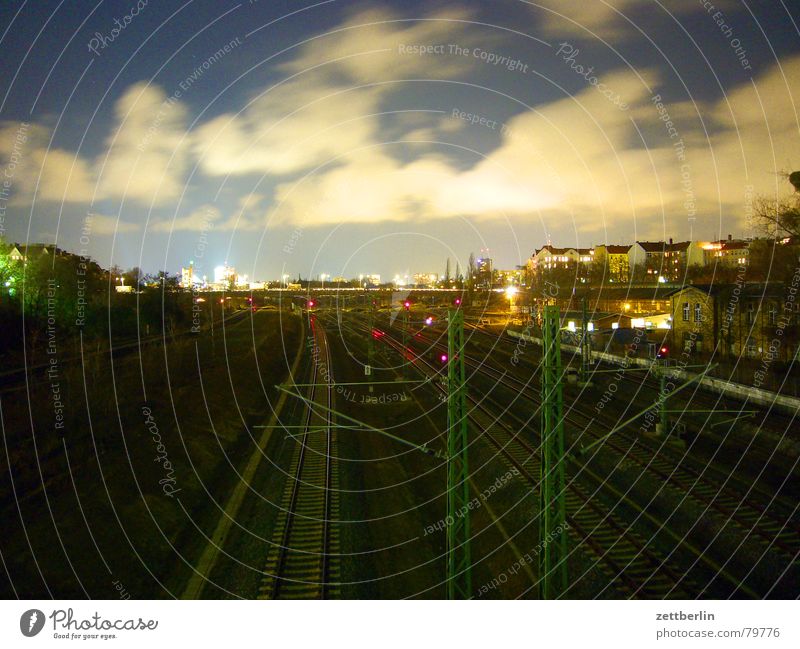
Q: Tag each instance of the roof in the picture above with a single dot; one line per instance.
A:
(662, 246)
(708, 289)
(735, 245)
(563, 251)
(652, 246)
(615, 250)
(629, 293)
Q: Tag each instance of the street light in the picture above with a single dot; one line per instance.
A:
(285, 277)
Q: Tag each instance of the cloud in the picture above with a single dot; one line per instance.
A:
(145, 159)
(600, 18)
(102, 224)
(580, 162)
(568, 154)
(146, 156)
(319, 137)
(376, 45)
(323, 106)
(610, 20)
(33, 168)
(206, 217)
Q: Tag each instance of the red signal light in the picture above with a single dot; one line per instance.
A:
(407, 305)
(443, 358)
(311, 303)
(429, 320)
(458, 301)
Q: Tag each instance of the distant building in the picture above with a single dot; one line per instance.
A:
(514, 277)
(21, 253)
(736, 320)
(483, 273)
(727, 252)
(667, 260)
(614, 262)
(630, 301)
(187, 276)
(550, 258)
(224, 277)
(426, 279)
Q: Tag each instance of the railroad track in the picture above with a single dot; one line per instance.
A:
(757, 522)
(763, 523)
(303, 560)
(764, 520)
(620, 553)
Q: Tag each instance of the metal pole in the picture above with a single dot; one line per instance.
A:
(371, 345)
(585, 344)
(662, 400)
(552, 507)
(405, 342)
(459, 563)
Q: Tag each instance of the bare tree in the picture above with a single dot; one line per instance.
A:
(780, 216)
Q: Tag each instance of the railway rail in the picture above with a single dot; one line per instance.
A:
(771, 533)
(303, 560)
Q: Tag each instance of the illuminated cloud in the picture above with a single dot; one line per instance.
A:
(102, 224)
(145, 159)
(206, 217)
(609, 20)
(322, 143)
(324, 105)
(34, 169)
(146, 155)
(581, 157)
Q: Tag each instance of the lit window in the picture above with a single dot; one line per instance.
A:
(698, 312)
(686, 312)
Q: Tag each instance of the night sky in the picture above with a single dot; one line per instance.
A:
(346, 137)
